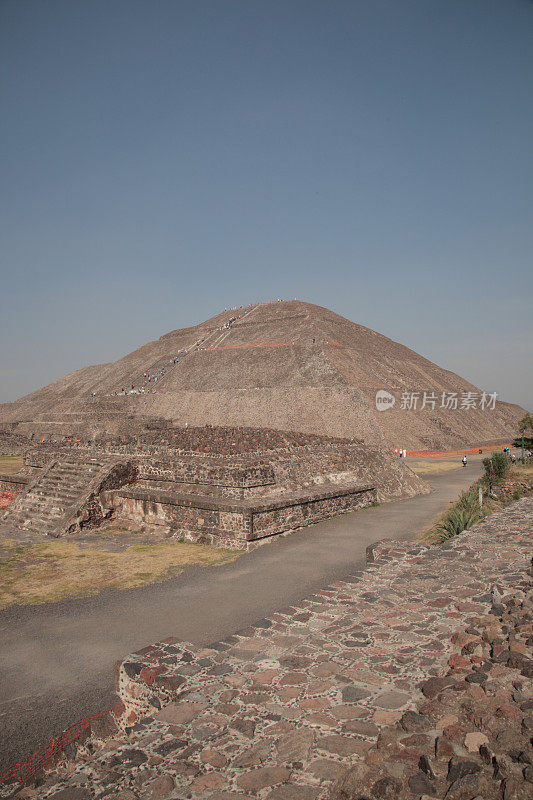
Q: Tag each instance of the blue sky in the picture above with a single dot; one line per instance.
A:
(164, 159)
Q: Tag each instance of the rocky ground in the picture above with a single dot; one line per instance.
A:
(471, 736)
(409, 679)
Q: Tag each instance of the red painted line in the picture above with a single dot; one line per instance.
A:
(235, 346)
(262, 344)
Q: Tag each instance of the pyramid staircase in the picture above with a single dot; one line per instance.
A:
(50, 504)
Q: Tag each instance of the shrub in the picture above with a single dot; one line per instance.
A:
(456, 521)
(528, 442)
(465, 513)
(500, 466)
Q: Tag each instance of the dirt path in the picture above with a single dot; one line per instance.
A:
(56, 661)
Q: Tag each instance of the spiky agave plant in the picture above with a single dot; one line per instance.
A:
(461, 518)
(468, 500)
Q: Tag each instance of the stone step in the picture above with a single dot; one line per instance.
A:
(40, 491)
(33, 497)
(35, 506)
(56, 475)
(51, 524)
(52, 498)
(12, 520)
(40, 529)
(35, 503)
(44, 508)
(55, 497)
(67, 494)
(76, 467)
(63, 469)
(49, 486)
(67, 483)
(50, 483)
(49, 517)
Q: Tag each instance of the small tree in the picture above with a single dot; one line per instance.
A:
(496, 467)
(525, 426)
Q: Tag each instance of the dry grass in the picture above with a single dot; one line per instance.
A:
(520, 470)
(10, 464)
(57, 569)
(433, 467)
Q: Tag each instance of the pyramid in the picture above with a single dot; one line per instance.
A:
(285, 365)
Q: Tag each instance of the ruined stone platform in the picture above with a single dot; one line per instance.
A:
(286, 708)
(226, 487)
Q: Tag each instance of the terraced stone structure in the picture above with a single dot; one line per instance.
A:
(227, 487)
(289, 365)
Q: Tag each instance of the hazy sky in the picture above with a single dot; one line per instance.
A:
(163, 159)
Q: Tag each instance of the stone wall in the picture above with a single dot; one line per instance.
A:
(217, 440)
(194, 471)
(275, 520)
(186, 518)
(233, 524)
(286, 469)
(150, 436)
(13, 482)
(345, 464)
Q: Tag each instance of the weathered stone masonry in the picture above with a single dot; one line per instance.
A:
(224, 487)
(236, 523)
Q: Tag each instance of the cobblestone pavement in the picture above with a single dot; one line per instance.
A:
(471, 736)
(288, 708)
